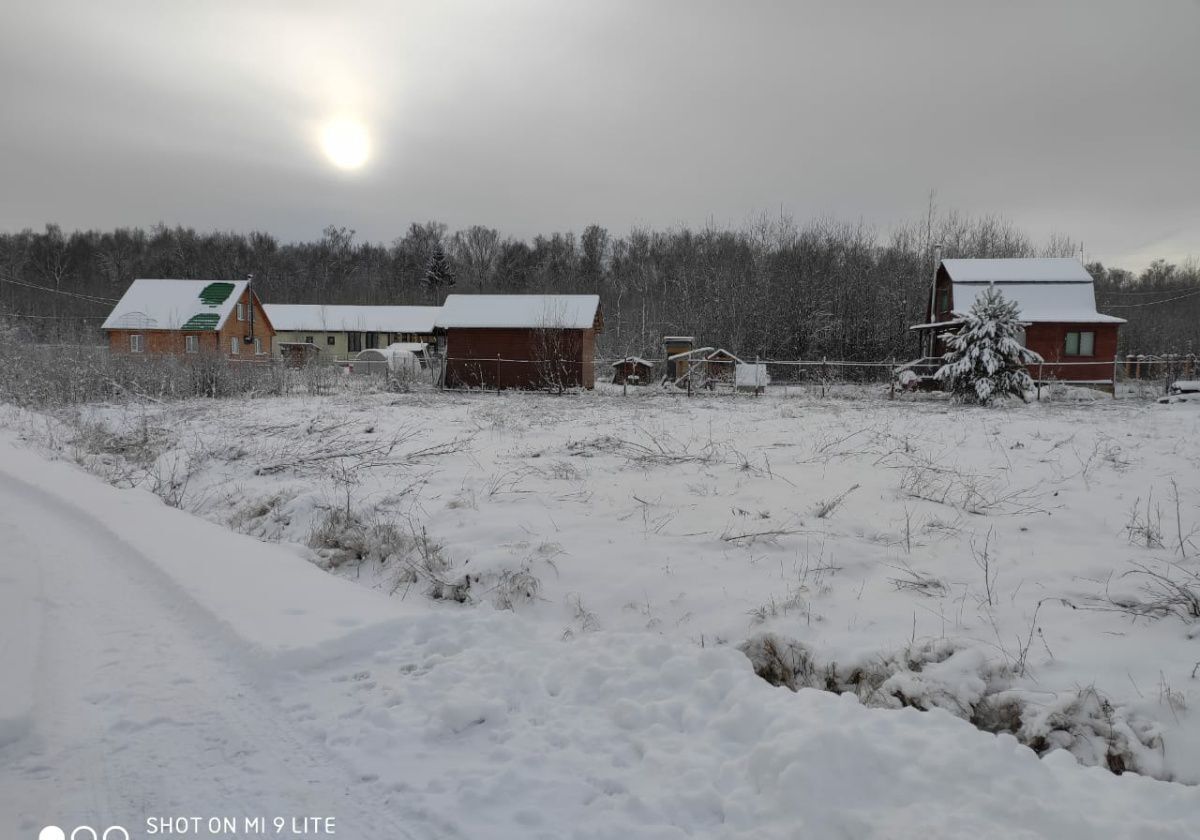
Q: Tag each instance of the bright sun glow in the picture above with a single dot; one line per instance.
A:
(346, 143)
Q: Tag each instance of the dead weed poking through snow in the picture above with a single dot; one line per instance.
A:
(943, 674)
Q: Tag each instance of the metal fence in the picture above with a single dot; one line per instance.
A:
(74, 371)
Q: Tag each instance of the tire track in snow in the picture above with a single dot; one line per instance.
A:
(144, 708)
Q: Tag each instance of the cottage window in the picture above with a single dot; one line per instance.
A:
(943, 301)
(308, 339)
(234, 349)
(1081, 344)
(241, 312)
(353, 342)
(258, 351)
(372, 340)
(137, 343)
(330, 340)
(191, 343)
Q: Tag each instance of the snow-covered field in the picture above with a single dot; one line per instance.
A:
(557, 597)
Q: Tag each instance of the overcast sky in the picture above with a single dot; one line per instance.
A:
(1077, 118)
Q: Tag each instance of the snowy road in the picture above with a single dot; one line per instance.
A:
(141, 708)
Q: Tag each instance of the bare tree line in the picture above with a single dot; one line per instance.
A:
(773, 287)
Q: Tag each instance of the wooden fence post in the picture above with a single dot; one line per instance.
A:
(497, 373)
(892, 378)
(1041, 379)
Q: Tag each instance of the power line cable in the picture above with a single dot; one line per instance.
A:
(1152, 302)
(89, 298)
(4, 314)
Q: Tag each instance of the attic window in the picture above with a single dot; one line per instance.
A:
(241, 312)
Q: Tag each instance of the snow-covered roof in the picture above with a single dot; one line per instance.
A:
(1038, 270)
(293, 317)
(1045, 290)
(175, 305)
(699, 351)
(572, 312)
(637, 360)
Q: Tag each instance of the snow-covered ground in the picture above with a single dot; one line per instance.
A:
(556, 599)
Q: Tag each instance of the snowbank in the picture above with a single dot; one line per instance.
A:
(284, 610)
(518, 734)
(20, 633)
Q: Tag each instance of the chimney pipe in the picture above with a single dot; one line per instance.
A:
(931, 342)
(250, 305)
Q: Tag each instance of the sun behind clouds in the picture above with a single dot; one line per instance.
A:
(346, 143)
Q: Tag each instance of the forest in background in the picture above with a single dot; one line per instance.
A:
(772, 287)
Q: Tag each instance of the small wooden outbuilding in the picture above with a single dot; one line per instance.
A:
(720, 366)
(531, 342)
(677, 350)
(632, 370)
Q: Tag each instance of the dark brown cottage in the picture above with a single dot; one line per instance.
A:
(520, 341)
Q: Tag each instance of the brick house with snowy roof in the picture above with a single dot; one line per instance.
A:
(184, 317)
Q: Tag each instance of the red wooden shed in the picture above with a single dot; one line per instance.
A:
(521, 341)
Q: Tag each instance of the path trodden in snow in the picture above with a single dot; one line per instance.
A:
(143, 707)
(148, 699)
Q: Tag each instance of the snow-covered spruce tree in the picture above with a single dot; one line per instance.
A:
(985, 359)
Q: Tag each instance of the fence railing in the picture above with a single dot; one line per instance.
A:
(737, 376)
(1139, 376)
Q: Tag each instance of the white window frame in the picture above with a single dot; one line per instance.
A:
(191, 343)
(241, 312)
(258, 351)
(1084, 340)
(137, 343)
(1087, 343)
(234, 346)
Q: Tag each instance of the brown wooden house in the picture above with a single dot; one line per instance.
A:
(520, 341)
(186, 317)
(1057, 303)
